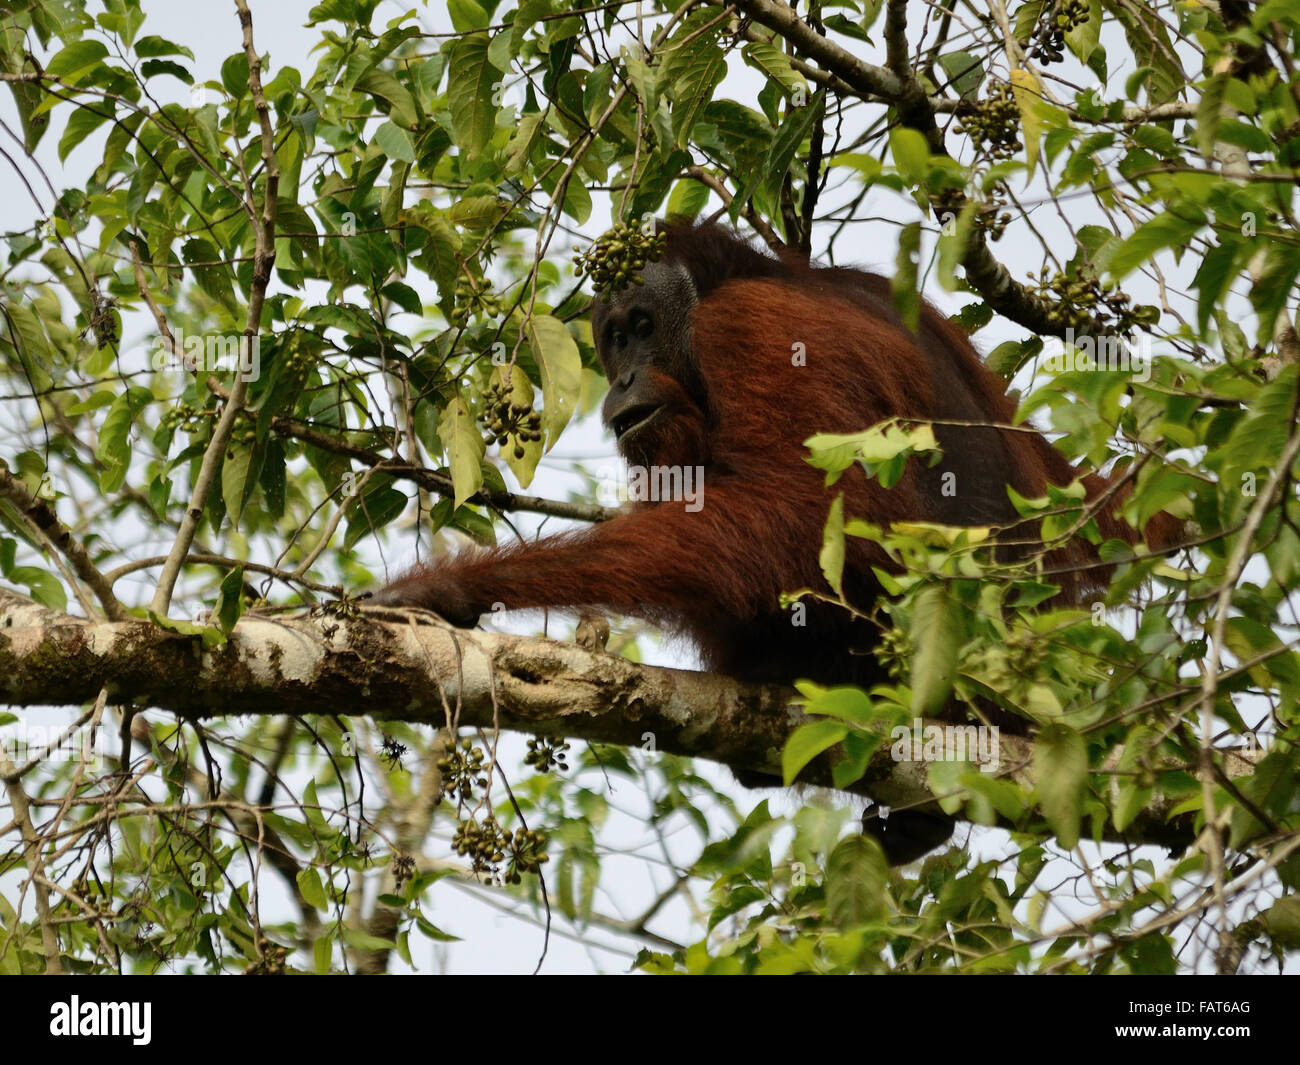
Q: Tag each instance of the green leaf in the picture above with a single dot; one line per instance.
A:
(311, 888)
(476, 212)
(1133, 796)
(466, 15)
(230, 600)
(151, 68)
(910, 153)
(359, 940)
(234, 75)
(30, 99)
(869, 166)
(973, 317)
(377, 507)
(806, 743)
(464, 446)
(1002, 795)
(209, 635)
(472, 80)
(27, 333)
(84, 121)
(831, 558)
(772, 61)
(1061, 773)
(114, 446)
(905, 284)
(965, 73)
(1273, 288)
(520, 147)
(688, 199)
(1217, 271)
(1026, 20)
(1167, 230)
(1149, 40)
(846, 704)
(395, 142)
(43, 586)
(404, 296)
(954, 236)
(147, 47)
(1083, 38)
(1209, 113)
(76, 59)
(694, 72)
(882, 443)
(211, 274)
(857, 883)
(560, 365)
(1282, 921)
(936, 638)
(577, 201)
(1006, 359)
(384, 86)
(236, 484)
(781, 152)
(272, 477)
(1029, 99)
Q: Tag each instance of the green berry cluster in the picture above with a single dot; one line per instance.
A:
(103, 322)
(503, 418)
(1080, 299)
(527, 850)
(1055, 23)
(990, 218)
(483, 843)
(894, 651)
(994, 122)
(487, 845)
(462, 771)
(298, 361)
(613, 261)
(474, 296)
(270, 961)
(188, 417)
(1026, 651)
(546, 754)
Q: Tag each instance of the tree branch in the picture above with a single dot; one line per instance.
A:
(42, 515)
(900, 87)
(263, 257)
(432, 480)
(398, 665)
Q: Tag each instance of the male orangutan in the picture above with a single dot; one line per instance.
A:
(727, 359)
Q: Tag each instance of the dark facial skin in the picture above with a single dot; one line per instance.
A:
(643, 340)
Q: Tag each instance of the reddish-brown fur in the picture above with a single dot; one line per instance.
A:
(717, 575)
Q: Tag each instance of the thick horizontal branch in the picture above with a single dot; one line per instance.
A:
(395, 665)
